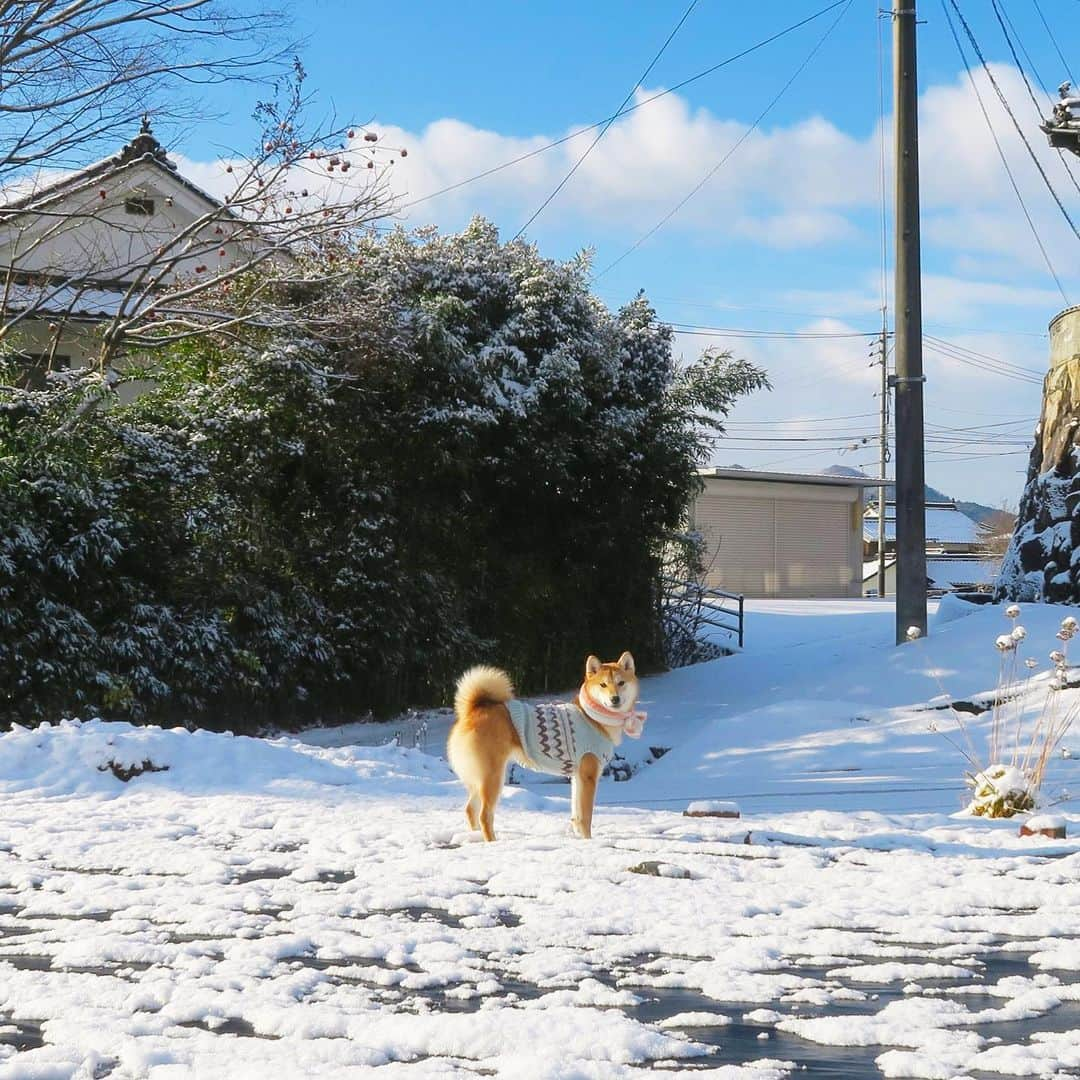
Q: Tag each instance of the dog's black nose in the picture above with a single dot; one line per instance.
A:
(614, 699)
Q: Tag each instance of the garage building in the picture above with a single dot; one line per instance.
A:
(781, 534)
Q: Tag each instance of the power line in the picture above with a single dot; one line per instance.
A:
(629, 109)
(723, 161)
(1005, 365)
(806, 419)
(979, 427)
(986, 356)
(1016, 59)
(970, 412)
(1016, 124)
(1061, 57)
(1002, 19)
(694, 329)
(1001, 152)
(611, 120)
(705, 306)
(998, 368)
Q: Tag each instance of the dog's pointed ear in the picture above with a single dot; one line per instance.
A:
(592, 665)
(626, 662)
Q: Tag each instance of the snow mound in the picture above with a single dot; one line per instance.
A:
(110, 757)
(950, 608)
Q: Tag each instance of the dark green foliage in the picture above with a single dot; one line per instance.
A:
(457, 454)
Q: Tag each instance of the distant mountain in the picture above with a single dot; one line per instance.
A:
(976, 511)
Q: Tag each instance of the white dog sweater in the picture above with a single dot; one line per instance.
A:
(556, 736)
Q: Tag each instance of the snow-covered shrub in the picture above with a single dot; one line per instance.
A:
(455, 453)
(1000, 791)
(1008, 778)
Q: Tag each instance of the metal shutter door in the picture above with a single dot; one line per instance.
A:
(813, 547)
(740, 539)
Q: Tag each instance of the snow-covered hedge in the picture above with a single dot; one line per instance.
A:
(456, 454)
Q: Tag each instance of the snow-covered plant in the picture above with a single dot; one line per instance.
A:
(1008, 779)
(1000, 791)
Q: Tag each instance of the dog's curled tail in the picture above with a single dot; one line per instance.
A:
(481, 685)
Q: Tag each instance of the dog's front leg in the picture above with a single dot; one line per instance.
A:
(575, 803)
(584, 783)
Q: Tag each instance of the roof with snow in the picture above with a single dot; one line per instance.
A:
(961, 573)
(70, 301)
(870, 567)
(944, 524)
(737, 473)
(144, 148)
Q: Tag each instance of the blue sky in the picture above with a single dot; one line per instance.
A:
(785, 237)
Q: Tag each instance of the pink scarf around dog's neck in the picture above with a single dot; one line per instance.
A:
(630, 722)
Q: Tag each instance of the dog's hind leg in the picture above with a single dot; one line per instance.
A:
(490, 789)
(587, 777)
(470, 810)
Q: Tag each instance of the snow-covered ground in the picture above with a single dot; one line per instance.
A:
(314, 907)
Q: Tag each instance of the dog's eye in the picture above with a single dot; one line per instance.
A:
(622, 682)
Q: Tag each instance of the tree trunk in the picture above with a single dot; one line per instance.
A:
(1043, 560)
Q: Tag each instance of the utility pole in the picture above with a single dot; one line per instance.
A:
(909, 378)
(883, 455)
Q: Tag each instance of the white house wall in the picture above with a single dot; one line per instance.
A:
(83, 234)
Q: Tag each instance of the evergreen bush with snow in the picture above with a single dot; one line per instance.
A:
(458, 454)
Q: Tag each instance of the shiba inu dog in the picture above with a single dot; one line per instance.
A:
(575, 739)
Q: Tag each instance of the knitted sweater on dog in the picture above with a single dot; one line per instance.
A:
(556, 736)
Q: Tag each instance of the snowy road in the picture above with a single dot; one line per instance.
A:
(275, 907)
(328, 919)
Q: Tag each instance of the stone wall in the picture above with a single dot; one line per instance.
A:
(1043, 560)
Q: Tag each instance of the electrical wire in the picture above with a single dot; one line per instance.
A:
(739, 142)
(1016, 59)
(806, 419)
(629, 109)
(611, 120)
(979, 427)
(1001, 18)
(1061, 56)
(704, 306)
(1001, 152)
(1016, 124)
(987, 368)
(696, 330)
(1003, 367)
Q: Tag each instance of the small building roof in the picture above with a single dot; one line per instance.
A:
(144, 149)
(945, 524)
(870, 567)
(93, 302)
(735, 473)
(954, 573)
